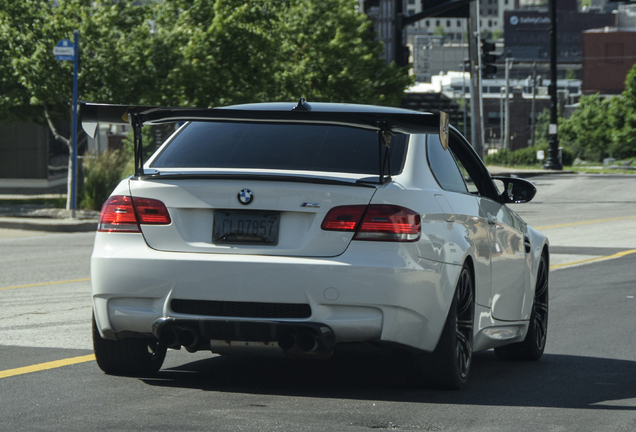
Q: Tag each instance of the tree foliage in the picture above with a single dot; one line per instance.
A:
(602, 128)
(191, 53)
(588, 132)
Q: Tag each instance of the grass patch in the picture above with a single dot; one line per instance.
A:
(599, 170)
(46, 202)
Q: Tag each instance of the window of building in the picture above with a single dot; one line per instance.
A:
(448, 23)
(411, 12)
(489, 23)
(437, 23)
(411, 2)
(459, 23)
(494, 118)
(428, 23)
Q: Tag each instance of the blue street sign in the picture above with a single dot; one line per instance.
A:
(64, 50)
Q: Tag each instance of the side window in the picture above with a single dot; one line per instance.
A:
(444, 166)
(470, 184)
(474, 172)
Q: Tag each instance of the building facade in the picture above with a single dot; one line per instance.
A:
(609, 53)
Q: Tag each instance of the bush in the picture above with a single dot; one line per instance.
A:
(525, 157)
(101, 175)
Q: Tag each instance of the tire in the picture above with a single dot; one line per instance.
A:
(448, 366)
(533, 345)
(129, 357)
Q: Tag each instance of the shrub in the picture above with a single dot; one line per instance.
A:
(526, 156)
(101, 175)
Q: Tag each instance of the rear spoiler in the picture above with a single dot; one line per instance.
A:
(385, 123)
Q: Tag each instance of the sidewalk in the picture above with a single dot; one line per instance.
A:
(524, 173)
(30, 212)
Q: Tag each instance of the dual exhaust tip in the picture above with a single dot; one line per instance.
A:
(174, 337)
(306, 342)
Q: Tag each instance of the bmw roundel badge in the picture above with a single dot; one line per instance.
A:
(245, 196)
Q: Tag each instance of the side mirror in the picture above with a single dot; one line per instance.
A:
(516, 190)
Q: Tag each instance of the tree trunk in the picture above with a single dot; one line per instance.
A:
(69, 183)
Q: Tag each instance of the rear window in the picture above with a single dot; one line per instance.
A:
(279, 147)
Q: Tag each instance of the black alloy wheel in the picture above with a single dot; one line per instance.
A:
(464, 322)
(533, 345)
(448, 366)
(139, 357)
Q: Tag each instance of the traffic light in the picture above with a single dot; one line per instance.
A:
(488, 59)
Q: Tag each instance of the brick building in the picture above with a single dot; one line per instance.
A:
(608, 55)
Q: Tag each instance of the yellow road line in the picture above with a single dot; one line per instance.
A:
(588, 260)
(45, 283)
(44, 366)
(584, 222)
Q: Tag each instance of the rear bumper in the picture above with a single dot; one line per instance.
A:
(372, 292)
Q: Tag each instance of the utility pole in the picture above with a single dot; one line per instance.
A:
(464, 86)
(507, 105)
(464, 95)
(476, 108)
(552, 162)
(502, 91)
(533, 119)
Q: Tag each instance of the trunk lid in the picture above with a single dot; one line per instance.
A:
(209, 217)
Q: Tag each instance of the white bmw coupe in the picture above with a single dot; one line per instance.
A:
(287, 229)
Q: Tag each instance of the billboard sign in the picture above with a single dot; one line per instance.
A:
(527, 34)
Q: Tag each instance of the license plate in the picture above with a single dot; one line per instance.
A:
(245, 227)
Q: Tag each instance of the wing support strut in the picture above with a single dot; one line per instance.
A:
(384, 143)
(138, 147)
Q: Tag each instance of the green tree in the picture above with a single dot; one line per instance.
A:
(328, 52)
(570, 74)
(189, 53)
(439, 31)
(588, 133)
(622, 117)
(629, 94)
(38, 83)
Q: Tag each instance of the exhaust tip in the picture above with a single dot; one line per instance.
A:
(187, 338)
(167, 337)
(286, 341)
(307, 342)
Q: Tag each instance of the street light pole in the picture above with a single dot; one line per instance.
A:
(552, 162)
(507, 105)
(502, 92)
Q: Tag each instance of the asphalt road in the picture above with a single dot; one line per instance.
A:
(586, 381)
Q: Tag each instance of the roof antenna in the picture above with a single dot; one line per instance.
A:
(302, 105)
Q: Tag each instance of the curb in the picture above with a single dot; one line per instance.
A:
(48, 225)
(528, 174)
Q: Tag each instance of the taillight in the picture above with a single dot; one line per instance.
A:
(389, 223)
(124, 214)
(118, 214)
(151, 211)
(345, 218)
(375, 222)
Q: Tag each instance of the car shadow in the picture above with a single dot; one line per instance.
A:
(562, 381)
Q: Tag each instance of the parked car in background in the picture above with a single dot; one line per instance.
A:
(293, 230)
